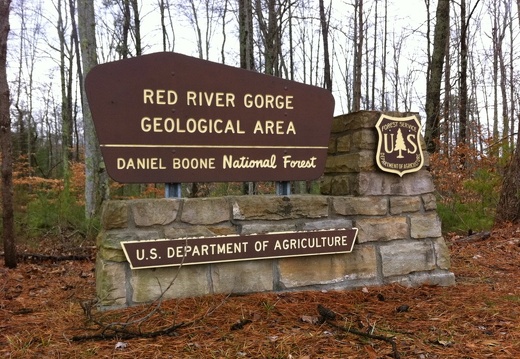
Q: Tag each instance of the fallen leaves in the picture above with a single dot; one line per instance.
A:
(479, 317)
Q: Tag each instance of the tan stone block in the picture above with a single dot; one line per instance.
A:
(383, 183)
(344, 143)
(342, 163)
(365, 139)
(174, 282)
(206, 210)
(327, 269)
(442, 253)
(187, 232)
(369, 206)
(149, 212)
(429, 202)
(256, 228)
(332, 145)
(115, 215)
(402, 204)
(279, 207)
(110, 283)
(382, 229)
(325, 184)
(405, 257)
(242, 276)
(113, 239)
(355, 120)
(113, 255)
(342, 185)
(322, 224)
(361, 161)
(425, 225)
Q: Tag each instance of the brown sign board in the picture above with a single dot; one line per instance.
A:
(399, 148)
(176, 252)
(167, 117)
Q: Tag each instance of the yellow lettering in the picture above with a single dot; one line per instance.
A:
(217, 99)
(159, 97)
(290, 128)
(268, 101)
(230, 99)
(258, 128)
(145, 124)
(270, 127)
(147, 96)
(191, 97)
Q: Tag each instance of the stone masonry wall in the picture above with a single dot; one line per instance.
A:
(399, 238)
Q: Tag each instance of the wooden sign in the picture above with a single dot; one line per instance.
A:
(176, 252)
(167, 117)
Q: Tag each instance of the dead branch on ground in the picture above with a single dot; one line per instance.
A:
(328, 316)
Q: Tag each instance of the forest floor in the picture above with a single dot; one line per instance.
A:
(46, 311)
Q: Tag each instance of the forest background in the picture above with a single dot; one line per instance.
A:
(455, 63)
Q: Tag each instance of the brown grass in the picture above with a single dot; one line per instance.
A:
(40, 314)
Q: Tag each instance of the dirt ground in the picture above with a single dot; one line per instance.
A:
(46, 311)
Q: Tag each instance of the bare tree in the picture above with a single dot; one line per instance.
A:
(6, 143)
(167, 44)
(136, 28)
(66, 70)
(434, 75)
(373, 85)
(508, 208)
(509, 20)
(358, 56)
(270, 34)
(384, 105)
(463, 83)
(30, 17)
(95, 176)
(324, 21)
(246, 38)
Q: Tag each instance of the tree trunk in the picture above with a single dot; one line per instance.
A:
(384, 105)
(245, 24)
(358, 56)
(269, 30)
(512, 75)
(124, 48)
(245, 9)
(433, 86)
(508, 208)
(6, 143)
(75, 41)
(137, 28)
(195, 21)
(463, 89)
(494, 34)
(66, 94)
(224, 37)
(324, 22)
(374, 56)
(95, 176)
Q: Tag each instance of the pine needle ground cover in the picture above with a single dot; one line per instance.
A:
(47, 310)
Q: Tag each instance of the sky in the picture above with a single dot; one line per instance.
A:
(404, 20)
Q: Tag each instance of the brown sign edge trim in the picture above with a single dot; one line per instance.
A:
(237, 260)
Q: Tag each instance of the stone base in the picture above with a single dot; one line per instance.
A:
(399, 240)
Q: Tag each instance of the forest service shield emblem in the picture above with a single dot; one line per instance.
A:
(398, 149)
